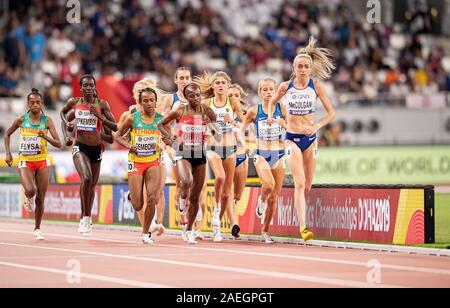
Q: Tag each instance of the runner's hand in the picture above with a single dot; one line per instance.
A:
(94, 111)
(70, 127)
(9, 159)
(228, 120)
(69, 142)
(310, 130)
(133, 149)
(42, 134)
(281, 122)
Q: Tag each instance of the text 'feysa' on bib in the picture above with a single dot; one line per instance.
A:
(30, 145)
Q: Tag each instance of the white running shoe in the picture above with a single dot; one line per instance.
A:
(217, 235)
(261, 209)
(85, 226)
(191, 238)
(147, 239)
(28, 205)
(267, 238)
(38, 234)
(81, 226)
(184, 233)
(88, 224)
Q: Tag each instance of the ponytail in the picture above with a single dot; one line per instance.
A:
(321, 59)
(206, 81)
(241, 92)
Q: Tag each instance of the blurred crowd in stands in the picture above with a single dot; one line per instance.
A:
(250, 39)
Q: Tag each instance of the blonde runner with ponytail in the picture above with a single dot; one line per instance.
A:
(322, 65)
(301, 95)
(221, 155)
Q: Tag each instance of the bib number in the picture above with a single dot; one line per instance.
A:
(146, 146)
(86, 121)
(131, 167)
(75, 150)
(30, 146)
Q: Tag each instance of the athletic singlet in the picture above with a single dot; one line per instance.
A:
(267, 132)
(32, 147)
(192, 130)
(145, 137)
(301, 102)
(85, 121)
(221, 112)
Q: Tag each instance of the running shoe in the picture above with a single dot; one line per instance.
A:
(217, 235)
(81, 226)
(235, 231)
(88, 225)
(147, 239)
(191, 238)
(38, 234)
(306, 234)
(267, 238)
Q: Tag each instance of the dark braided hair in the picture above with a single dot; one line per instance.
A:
(147, 90)
(87, 76)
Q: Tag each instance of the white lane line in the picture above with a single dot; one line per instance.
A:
(426, 270)
(120, 281)
(271, 274)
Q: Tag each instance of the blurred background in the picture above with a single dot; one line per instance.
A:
(390, 88)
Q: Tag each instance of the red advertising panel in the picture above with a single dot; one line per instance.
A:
(63, 202)
(374, 215)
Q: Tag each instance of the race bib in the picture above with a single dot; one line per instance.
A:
(30, 145)
(22, 164)
(75, 150)
(146, 145)
(288, 151)
(131, 167)
(193, 134)
(269, 132)
(224, 126)
(86, 121)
